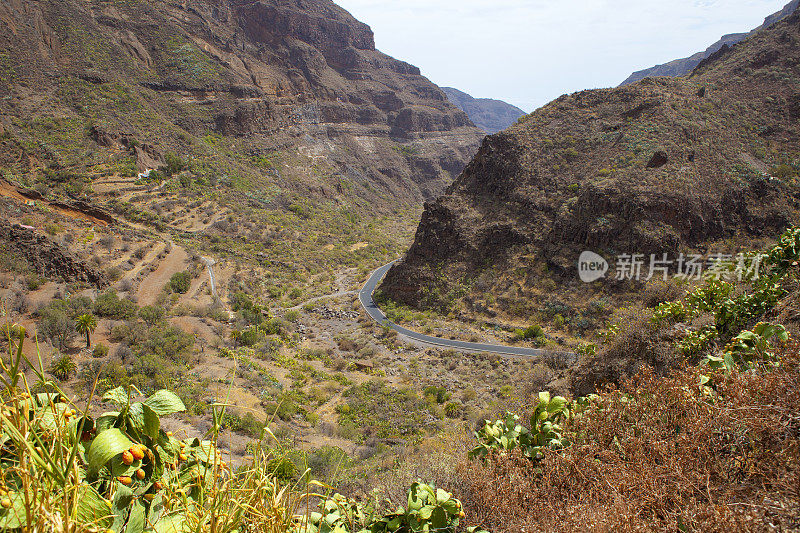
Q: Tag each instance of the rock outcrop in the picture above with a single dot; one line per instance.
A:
(48, 258)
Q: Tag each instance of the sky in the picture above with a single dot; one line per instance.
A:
(528, 52)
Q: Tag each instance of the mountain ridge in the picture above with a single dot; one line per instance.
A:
(488, 114)
(683, 66)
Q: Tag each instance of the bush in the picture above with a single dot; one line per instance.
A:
(180, 282)
(109, 305)
(172, 165)
(783, 171)
(534, 332)
(151, 314)
(453, 410)
(100, 350)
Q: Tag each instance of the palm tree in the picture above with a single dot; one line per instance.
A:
(236, 336)
(86, 324)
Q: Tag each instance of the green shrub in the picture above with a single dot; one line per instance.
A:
(437, 394)
(151, 314)
(34, 282)
(534, 332)
(282, 468)
(172, 164)
(109, 305)
(100, 350)
(547, 430)
(783, 171)
(180, 282)
(56, 326)
(452, 410)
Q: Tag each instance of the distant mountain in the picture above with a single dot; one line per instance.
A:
(489, 115)
(680, 67)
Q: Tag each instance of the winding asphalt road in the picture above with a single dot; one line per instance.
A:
(365, 297)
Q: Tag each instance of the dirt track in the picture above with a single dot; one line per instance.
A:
(152, 285)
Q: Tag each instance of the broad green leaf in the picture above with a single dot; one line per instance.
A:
(544, 399)
(165, 403)
(105, 446)
(171, 524)
(452, 506)
(442, 496)
(730, 364)
(14, 517)
(44, 398)
(145, 420)
(556, 404)
(439, 518)
(136, 519)
(93, 508)
(118, 396)
(50, 415)
(414, 500)
(426, 512)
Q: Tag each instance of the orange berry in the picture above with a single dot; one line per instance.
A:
(140, 474)
(183, 457)
(125, 480)
(137, 451)
(6, 503)
(158, 485)
(169, 433)
(127, 457)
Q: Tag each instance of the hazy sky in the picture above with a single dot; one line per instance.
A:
(528, 52)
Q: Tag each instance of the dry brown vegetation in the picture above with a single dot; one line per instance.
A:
(660, 454)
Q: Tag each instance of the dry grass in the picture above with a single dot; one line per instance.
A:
(657, 454)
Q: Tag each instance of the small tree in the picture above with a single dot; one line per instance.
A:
(62, 367)
(180, 282)
(85, 325)
(151, 314)
(57, 327)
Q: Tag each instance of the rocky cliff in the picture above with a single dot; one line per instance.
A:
(683, 66)
(48, 258)
(487, 114)
(85, 83)
(661, 166)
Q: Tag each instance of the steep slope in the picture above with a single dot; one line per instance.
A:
(92, 83)
(486, 113)
(683, 66)
(662, 166)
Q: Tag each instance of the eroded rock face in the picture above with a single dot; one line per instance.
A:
(279, 72)
(649, 168)
(48, 258)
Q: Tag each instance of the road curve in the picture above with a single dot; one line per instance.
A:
(365, 297)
